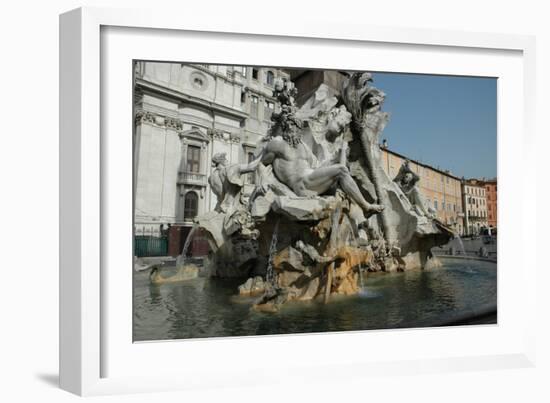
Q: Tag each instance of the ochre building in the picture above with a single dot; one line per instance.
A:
(441, 189)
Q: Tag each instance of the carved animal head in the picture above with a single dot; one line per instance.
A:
(356, 93)
(375, 98)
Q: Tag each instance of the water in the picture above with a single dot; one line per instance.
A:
(269, 276)
(207, 307)
(361, 281)
(180, 261)
(461, 249)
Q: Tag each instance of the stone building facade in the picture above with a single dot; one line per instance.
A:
(491, 193)
(475, 203)
(184, 114)
(441, 189)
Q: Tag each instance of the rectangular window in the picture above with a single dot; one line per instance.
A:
(251, 177)
(269, 107)
(270, 78)
(193, 159)
(435, 204)
(255, 73)
(254, 106)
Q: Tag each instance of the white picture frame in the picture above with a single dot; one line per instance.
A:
(96, 356)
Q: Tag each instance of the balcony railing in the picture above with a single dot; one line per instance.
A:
(194, 178)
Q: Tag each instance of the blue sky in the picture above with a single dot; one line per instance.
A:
(443, 121)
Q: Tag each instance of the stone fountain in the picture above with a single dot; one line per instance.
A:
(322, 206)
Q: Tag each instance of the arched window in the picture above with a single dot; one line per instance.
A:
(270, 78)
(191, 208)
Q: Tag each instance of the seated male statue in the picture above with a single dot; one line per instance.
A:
(226, 181)
(407, 181)
(294, 164)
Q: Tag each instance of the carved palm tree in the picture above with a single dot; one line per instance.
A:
(364, 102)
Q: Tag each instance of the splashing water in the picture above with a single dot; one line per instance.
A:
(270, 275)
(361, 268)
(180, 261)
(361, 284)
(461, 249)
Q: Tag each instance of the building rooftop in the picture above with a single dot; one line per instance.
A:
(443, 172)
(479, 182)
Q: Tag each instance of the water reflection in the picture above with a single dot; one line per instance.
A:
(209, 308)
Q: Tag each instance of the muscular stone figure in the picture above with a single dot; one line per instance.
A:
(293, 165)
(407, 180)
(226, 181)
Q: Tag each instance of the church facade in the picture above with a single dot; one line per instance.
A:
(184, 114)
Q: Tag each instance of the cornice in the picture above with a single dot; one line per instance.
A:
(159, 120)
(189, 99)
(167, 122)
(226, 137)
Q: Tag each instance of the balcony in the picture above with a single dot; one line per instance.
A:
(191, 178)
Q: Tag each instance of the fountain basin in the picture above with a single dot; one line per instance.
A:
(208, 307)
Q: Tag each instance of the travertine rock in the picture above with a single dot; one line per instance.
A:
(252, 286)
(304, 208)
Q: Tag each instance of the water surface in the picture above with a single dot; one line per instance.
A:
(207, 307)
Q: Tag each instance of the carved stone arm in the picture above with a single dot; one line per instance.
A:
(313, 254)
(252, 165)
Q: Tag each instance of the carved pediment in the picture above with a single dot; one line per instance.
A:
(195, 134)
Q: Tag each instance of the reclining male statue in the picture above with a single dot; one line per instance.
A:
(294, 165)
